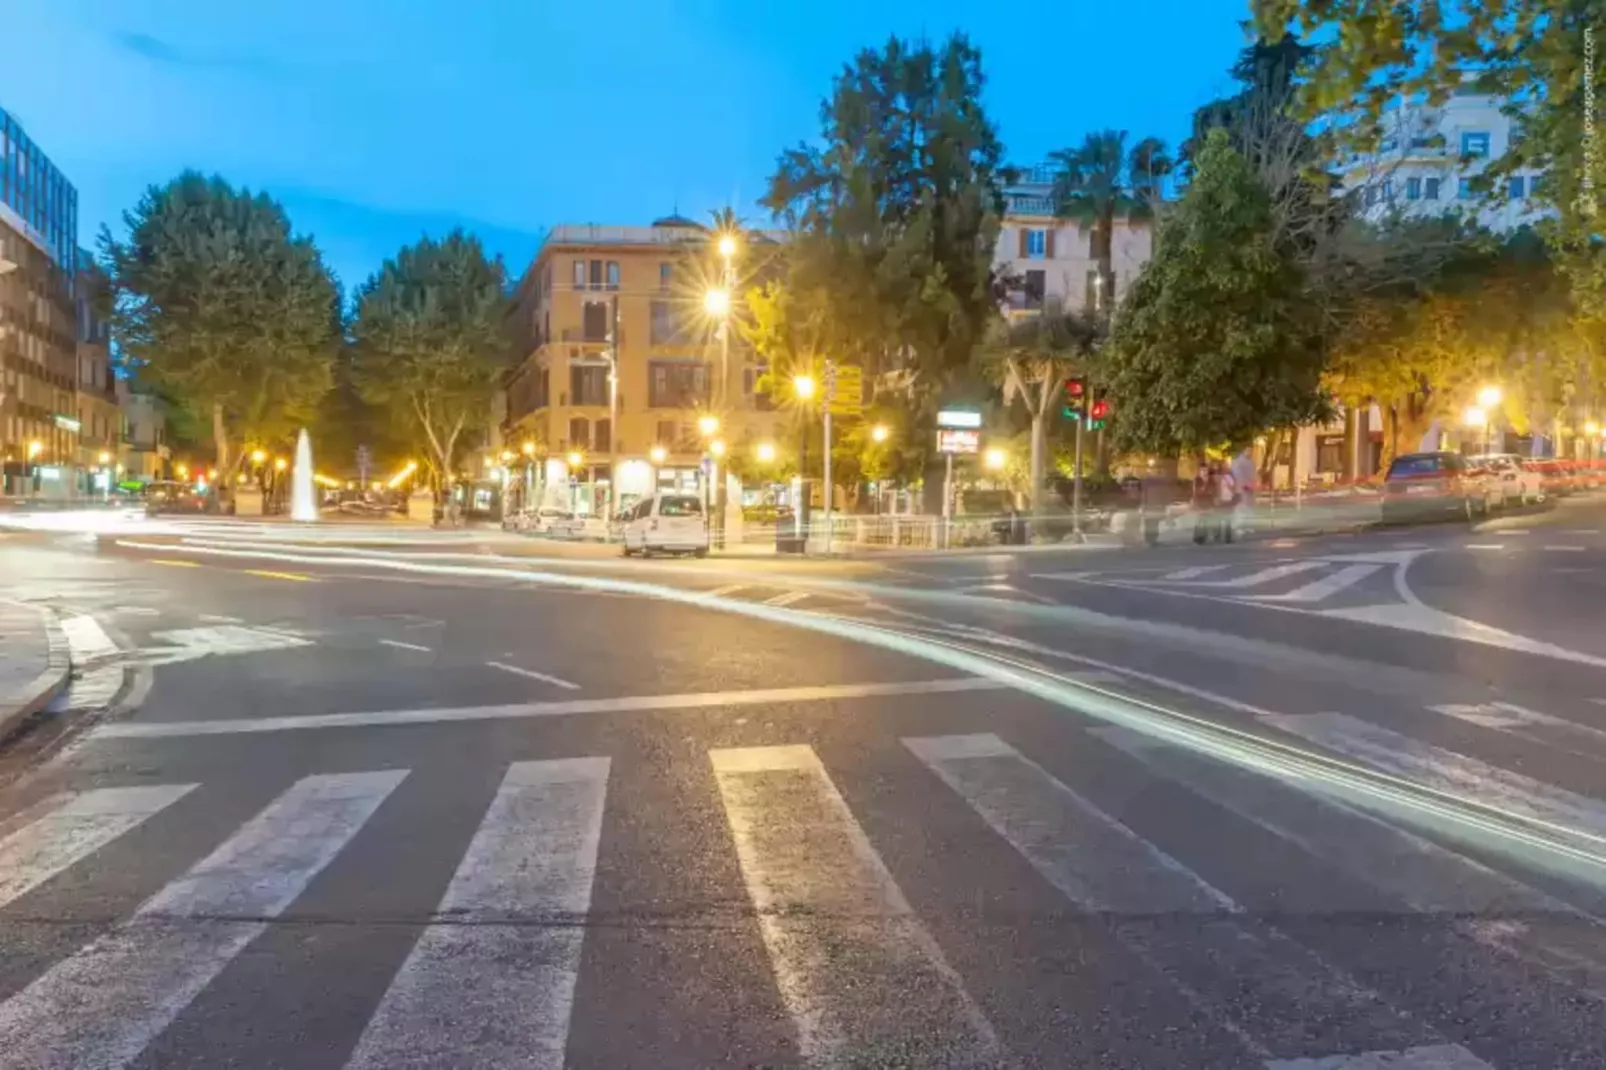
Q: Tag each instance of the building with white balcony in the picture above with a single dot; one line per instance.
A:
(1429, 156)
(1050, 261)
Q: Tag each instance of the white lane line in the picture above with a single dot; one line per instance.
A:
(1484, 546)
(1192, 573)
(1428, 1057)
(74, 830)
(1509, 717)
(1515, 532)
(399, 645)
(630, 704)
(1276, 986)
(1325, 587)
(491, 985)
(87, 639)
(1581, 531)
(787, 598)
(826, 903)
(1573, 549)
(533, 675)
(729, 589)
(101, 1006)
(1445, 770)
(1254, 579)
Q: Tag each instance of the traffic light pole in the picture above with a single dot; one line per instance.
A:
(1076, 485)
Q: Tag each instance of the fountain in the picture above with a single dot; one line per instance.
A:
(303, 499)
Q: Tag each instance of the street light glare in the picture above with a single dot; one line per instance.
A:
(727, 246)
(995, 458)
(804, 385)
(717, 302)
(717, 448)
(1475, 417)
(574, 458)
(258, 456)
(658, 454)
(766, 452)
(707, 425)
(1489, 397)
(528, 448)
(879, 432)
(280, 464)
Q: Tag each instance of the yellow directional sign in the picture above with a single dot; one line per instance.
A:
(844, 389)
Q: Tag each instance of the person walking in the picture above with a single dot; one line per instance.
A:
(1243, 476)
(1203, 500)
(1226, 502)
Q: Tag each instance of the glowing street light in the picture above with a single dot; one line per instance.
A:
(766, 452)
(717, 302)
(1591, 428)
(105, 457)
(1475, 417)
(707, 425)
(1489, 397)
(803, 385)
(727, 246)
(280, 464)
(258, 456)
(507, 455)
(528, 449)
(717, 448)
(995, 458)
(658, 454)
(35, 448)
(183, 471)
(574, 458)
(879, 433)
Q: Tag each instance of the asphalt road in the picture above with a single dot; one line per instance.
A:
(1288, 804)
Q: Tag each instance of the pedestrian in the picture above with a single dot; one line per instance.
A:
(1226, 502)
(1203, 501)
(1244, 475)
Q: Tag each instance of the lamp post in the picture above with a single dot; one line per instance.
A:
(1489, 398)
(1476, 416)
(803, 386)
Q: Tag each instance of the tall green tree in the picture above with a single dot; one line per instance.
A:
(896, 211)
(1532, 53)
(431, 342)
(1214, 342)
(218, 303)
(1102, 181)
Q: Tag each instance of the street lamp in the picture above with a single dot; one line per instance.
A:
(528, 448)
(717, 302)
(280, 464)
(507, 455)
(766, 452)
(258, 456)
(879, 433)
(995, 459)
(707, 425)
(574, 459)
(1489, 397)
(658, 454)
(803, 385)
(717, 448)
(35, 448)
(727, 246)
(105, 458)
(1477, 416)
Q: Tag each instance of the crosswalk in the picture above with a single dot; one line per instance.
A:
(1303, 583)
(865, 973)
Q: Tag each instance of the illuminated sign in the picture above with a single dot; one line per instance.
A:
(964, 418)
(67, 423)
(953, 440)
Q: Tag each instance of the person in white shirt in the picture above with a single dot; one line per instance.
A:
(1243, 475)
(1226, 499)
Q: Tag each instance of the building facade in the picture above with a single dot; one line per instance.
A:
(636, 295)
(39, 365)
(101, 430)
(1429, 157)
(1050, 261)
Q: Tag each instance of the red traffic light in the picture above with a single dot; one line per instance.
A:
(1101, 409)
(1075, 388)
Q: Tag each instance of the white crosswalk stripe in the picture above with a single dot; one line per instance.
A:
(101, 1006)
(491, 984)
(1325, 587)
(824, 896)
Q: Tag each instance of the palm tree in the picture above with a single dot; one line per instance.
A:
(1100, 182)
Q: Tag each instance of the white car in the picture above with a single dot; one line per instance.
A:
(1511, 480)
(541, 521)
(667, 524)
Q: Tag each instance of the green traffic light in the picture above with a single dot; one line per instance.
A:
(1070, 413)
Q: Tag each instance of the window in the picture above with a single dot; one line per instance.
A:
(676, 384)
(596, 274)
(1431, 190)
(666, 436)
(666, 276)
(580, 433)
(679, 505)
(613, 274)
(579, 274)
(1463, 189)
(602, 438)
(1036, 284)
(594, 321)
(588, 384)
(1475, 143)
(1036, 244)
(1516, 186)
(1413, 189)
(663, 329)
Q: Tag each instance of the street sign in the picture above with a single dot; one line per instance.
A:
(844, 389)
(963, 418)
(958, 440)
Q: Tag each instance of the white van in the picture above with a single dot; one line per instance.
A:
(666, 523)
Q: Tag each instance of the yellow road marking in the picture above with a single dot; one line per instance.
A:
(171, 563)
(297, 576)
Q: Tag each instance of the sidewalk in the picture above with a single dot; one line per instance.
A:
(34, 662)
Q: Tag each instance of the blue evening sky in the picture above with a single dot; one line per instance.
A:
(376, 120)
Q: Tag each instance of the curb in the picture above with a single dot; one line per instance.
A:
(44, 688)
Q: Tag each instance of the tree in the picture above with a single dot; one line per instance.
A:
(218, 303)
(1532, 53)
(1030, 359)
(1100, 182)
(896, 212)
(1214, 342)
(431, 341)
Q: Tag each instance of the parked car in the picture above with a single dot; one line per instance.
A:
(172, 497)
(665, 523)
(1422, 486)
(538, 521)
(1514, 480)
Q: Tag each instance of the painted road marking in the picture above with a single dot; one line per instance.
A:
(188, 644)
(298, 577)
(1574, 549)
(728, 589)
(104, 1004)
(74, 830)
(87, 639)
(1429, 1057)
(1484, 546)
(1266, 987)
(171, 563)
(1254, 579)
(1325, 587)
(399, 645)
(826, 902)
(533, 675)
(786, 599)
(1192, 573)
(492, 984)
(629, 704)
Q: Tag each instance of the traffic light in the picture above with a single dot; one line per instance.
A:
(1098, 414)
(1075, 398)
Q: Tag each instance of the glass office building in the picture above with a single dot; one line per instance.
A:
(44, 202)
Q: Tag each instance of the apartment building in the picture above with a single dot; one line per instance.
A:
(39, 425)
(101, 431)
(1050, 261)
(636, 295)
(1429, 156)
